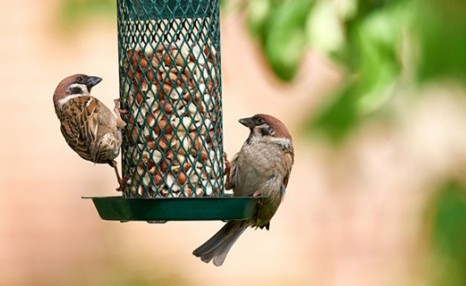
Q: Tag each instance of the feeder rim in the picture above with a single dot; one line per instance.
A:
(223, 208)
(173, 198)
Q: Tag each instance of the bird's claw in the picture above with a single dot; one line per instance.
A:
(122, 182)
(228, 184)
(119, 111)
(227, 163)
(118, 108)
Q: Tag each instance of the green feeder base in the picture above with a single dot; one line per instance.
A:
(160, 210)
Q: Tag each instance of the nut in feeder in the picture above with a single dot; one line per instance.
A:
(170, 84)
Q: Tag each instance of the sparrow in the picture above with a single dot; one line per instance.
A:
(89, 127)
(260, 169)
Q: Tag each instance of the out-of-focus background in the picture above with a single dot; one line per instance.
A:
(372, 91)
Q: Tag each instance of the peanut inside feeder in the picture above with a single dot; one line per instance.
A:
(170, 84)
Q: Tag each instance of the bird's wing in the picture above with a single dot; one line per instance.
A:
(72, 134)
(91, 123)
(288, 159)
(79, 118)
(233, 176)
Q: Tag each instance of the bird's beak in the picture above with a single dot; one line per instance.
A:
(92, 81)
(248, 122)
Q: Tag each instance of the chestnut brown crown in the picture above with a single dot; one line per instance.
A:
(267, 125)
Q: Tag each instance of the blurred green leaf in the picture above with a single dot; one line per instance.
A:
(337, 118)
(323, 28)
(372, 58)
(367, 7)
(74, 12)
(280, 28)
(258, 16)
(379, 43)
(442, 35)
(449, 232)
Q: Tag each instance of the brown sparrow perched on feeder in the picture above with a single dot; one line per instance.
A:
(261, 168)
(88, 126)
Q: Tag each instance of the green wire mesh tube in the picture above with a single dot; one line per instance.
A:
(170, 84)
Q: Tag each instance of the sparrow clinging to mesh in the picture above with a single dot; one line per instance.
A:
(89, 127)
(261, 168)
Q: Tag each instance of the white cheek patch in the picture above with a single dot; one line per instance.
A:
(79, 86)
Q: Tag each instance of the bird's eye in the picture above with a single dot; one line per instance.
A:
(79, 79)
(259, 121)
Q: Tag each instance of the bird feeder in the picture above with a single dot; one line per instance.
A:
(170, 88)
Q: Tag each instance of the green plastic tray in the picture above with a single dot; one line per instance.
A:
(174, 209)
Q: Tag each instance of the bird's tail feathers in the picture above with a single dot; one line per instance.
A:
(218, 246)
